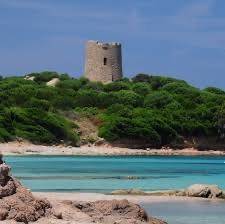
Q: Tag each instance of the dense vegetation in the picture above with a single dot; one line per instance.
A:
(151, 109)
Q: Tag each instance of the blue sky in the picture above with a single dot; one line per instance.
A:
(179, 38)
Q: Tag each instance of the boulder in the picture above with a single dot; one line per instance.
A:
(198, 190)
(137, 192)
(58, 214)
(3, 214)
(129, 192)
(155, 221)
(31, 78)
(16, 202)
(53, 82)
(116, 211)
(204, 191)
(100, 141)
(215, 191)
(120, 192)
(4, 173)
(9, 188)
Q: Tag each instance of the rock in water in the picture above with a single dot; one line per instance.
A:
(204, 191)
(16, 202)
(116, 211)
(129, 192)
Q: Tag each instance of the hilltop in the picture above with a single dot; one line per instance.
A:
(146, 111)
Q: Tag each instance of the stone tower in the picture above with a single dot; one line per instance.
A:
(103, 61)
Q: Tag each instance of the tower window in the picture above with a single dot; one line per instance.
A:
(105, 61)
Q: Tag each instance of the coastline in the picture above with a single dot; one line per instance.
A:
(155, 206)
(139, 199)
(26, 148)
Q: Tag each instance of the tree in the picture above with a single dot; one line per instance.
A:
(214, 90)
(158, 99)
(141, 88)
(141, 78)
(221, 122)
(128, 97)
(117, 86)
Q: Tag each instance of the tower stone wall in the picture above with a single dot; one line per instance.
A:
(103, 61)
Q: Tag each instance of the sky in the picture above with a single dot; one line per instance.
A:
(184, 39)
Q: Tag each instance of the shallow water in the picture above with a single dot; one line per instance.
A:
(188, 212)
(104, 174)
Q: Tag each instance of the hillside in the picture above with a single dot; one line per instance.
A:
(147, 111)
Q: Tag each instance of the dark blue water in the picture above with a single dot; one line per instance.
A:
(104, 174)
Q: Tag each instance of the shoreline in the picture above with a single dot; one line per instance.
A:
(26, 148)
(150, 204)
(139, 199)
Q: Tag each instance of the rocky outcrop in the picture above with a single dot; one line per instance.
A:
(16, 202)
(53, 82)
(129, 192)
(116, 211)
(204, 191)
(31, 78)
(196, 190)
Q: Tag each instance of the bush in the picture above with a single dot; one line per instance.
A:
(74, 84)
(141, 88)
(154, 109)
(138, 124)
(87, 111)
(38, 126)
(141, 78)
(86, 98)
(158, 100)
(5, 135)
(128, 97)
(44, 77)
(39, 104)
(117, 86)
(215, 90)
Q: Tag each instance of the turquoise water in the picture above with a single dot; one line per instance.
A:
(104, 174)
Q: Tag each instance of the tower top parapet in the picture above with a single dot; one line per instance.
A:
(104, 43)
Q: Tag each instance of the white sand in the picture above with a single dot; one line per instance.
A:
(26, 148)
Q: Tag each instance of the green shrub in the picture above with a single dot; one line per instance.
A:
(214, 90)
(5, 135)
(74, 84)
(156, 109)
(44, 77)
(128, 97)
(158, 100)
(87, 111)
(141, 88)
(117, 86)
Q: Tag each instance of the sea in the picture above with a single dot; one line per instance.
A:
(104, 174)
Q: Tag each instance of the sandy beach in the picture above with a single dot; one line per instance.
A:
(26, 148)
